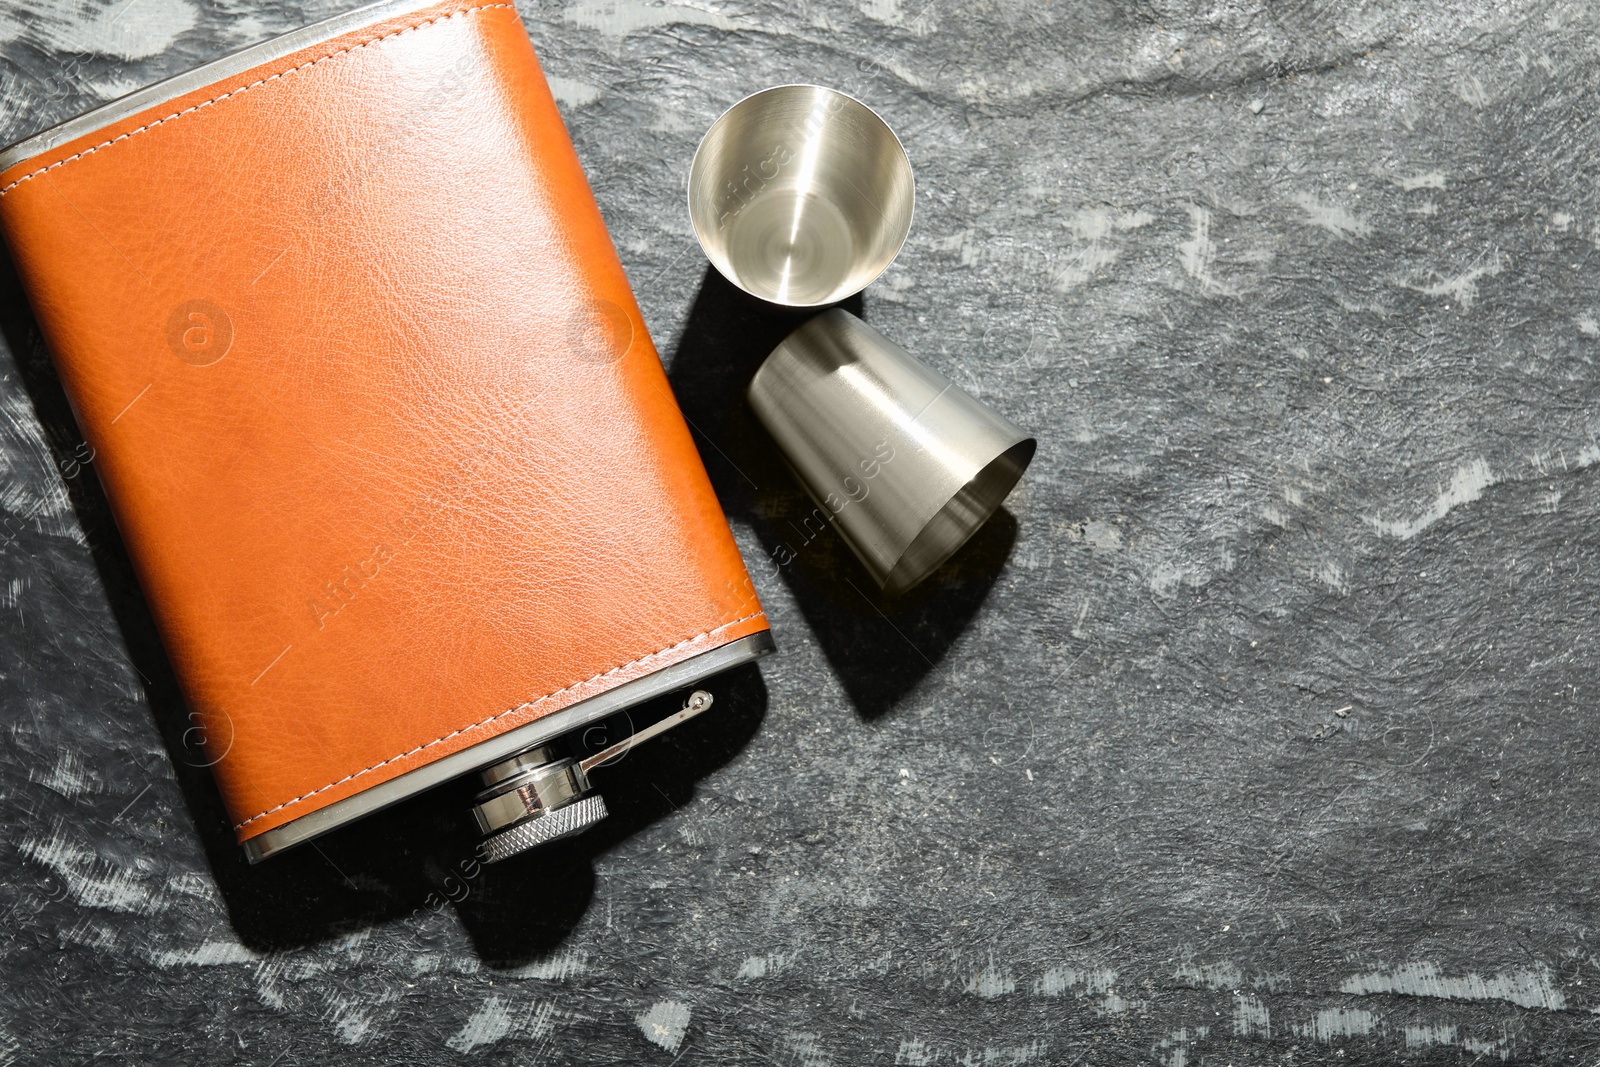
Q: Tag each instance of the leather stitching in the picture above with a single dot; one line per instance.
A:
(247, 88)
(499, 715)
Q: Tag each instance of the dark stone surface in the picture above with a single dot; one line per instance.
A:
(1260, 728)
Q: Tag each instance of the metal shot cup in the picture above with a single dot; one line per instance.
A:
(906, 464)
(800, 195)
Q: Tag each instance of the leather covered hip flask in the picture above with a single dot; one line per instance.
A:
(394, 458)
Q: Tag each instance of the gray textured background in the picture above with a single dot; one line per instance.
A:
(1258, 729)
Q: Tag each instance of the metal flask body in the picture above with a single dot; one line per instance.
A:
(905, 463)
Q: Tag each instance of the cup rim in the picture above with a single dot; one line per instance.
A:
(688, 194)
(944, 534)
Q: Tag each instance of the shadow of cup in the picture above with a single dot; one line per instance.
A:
(880, 646)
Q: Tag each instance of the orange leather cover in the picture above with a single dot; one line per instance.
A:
(376, 411)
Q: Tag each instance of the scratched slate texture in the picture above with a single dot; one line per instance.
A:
(1258, 728)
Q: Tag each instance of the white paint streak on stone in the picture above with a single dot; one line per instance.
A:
(1588, 325)
(573, 93)
(1166, 578)
(1004, 1056)
(619, 18)
(136, 29)
(1480, 1048)
(991, 982)
(1223, 975)
(351, 1022)
(1332, 1023)
(112, 84)
(98, 936)
(761, 966)
(893, 285)
(1332, 217)
(1467, 485)
(268, 973)
(1530, 987)
(1097, 223)
(1095, 226)
(1116, 1004)
(92, 882)
(193, 884)
(913, 1053)
(807, 1049)
(1178, 1043)
(885, 11)
(1251, 1018)
(1198, 254)
(248, 28)
(666, 1023)
(1081, 983)
(69, 776)
(208, 954)
(1331, 575)
(667, 120)
(1081, 266)
(1433, 179)
(1427, 1036)
(963, 243)
(39, 496)
(1463, 287)
(495, 1019)
(1470, 88)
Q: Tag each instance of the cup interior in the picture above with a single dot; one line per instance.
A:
(800, 195)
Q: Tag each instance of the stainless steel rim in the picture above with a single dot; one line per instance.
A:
(218, 69)
(961, 517)
(681, 675)
(536, 792)
(904, 463)
(542, 784)
(688, 186)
